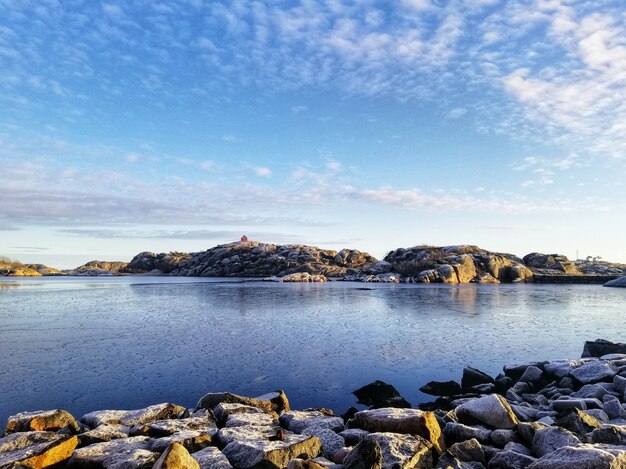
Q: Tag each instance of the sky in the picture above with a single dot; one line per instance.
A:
(139, 125)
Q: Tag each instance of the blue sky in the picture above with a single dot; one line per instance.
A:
(145, 125)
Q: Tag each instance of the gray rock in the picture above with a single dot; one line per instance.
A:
(406, 421)
(251, 453)
(618, 282)
(133, 417)
(447, 461)
(582, 457)
(518, 448)
(561, 405)
(211, 458)
(456, 432)
(245, 433)
(547, 440)
(366, 455)
(468, 451)
(161, 428)
(191, 440)
(500, 438)
(353, 436)
(594, 371)
(590, 391)
(510, 460)
(104, 433)
(532, 375)
(331, 441)
(131, 453)
(524, 413)
(561, 368)
(609, 434)
(274, 402)
(613, 407)
(241, 420)
(224, 410)
(35, 449)
(578, 421)
(297, 420)
(619, 383)
(492, 410)
(403, 451)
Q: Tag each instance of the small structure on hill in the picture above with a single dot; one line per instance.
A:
(244, 239)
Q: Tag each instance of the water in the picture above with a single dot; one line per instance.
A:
(84, 344)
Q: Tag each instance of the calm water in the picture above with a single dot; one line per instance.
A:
(92, 343)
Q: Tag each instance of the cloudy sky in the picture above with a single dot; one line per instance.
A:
(143, 125)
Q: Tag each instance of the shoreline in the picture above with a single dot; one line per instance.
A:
(539, 415)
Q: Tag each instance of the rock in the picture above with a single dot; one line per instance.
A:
(403, 451)
(211, 458)
(547, 440)
(600, 347)
(176, 457)
(442, 388)
(331, 441)
(366, 455)
(447, 461)
(99, 268)
(191, 440)
(578, 421)
(613, 407)
(523, 413)
(353, 436)
(406, 421)
(500, 438)
(42, 420)
(609, 434)
(148, 262)
(376, 393)
(273, 402)
(561, 405)
(35, 449)
(262, 453)
(619, 384)
(518, 448)
(470, 450)
(296, 421)
(341, 454)
(618, 282)
(298, 277)
(510, 460)
(532, 375)
(102, 433)
(124, 453)
(305, 464)
(553, 264)
(582, 457)
(240, 420)
(474, 377)
(594, 371)
(224, 410)
(596, 391)
(492, 410)
(161, 428)
(251, 433)
(457, 432)
(561, 368)
(133, 417)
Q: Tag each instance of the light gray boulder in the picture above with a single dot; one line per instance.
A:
(245, 433)
(41, 420)
(211, 458)
(133, 417)
(547, 440)
(492, 410)
(106, 432)
(192, 440)
(402, 451)
(583, 457)
(510, 460)
(240, 420)
(331, 441)
(594, 371)
(457, 432)
(161, 428)
(225, 409)
(35, 449)
(251, 453)
(131, 453)
(297, 420)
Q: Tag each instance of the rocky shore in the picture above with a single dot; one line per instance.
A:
(299, 263)
(564, 414)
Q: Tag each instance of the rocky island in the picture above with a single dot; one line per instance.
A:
(563, 414)
(294, 262)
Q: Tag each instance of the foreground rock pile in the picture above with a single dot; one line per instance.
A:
(564, 414)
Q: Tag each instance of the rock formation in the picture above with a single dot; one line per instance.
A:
(98, 268)
(164, 263)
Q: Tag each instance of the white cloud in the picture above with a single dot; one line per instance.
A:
(263, 172)
(456, 113)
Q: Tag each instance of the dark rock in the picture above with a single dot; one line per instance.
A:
(510, 460)
(348, 414)
(613, 407)
(577, 421)
(609, 434)
(366, 455)
(583, 457)
(441, 388)
(469, 450)
(474, 377)
(457, 432)
(600, 347)
(503, 384)
(594, 371)
(375, 393)
(353, 436)
(447, 461)
(500, 438)
(547, 440)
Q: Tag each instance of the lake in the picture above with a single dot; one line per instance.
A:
(85, 344)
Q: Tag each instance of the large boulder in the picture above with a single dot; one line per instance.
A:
(380, 394)
(149, 261)
(128, 453)
(211, 458)
(406, 421)
(176, 457)
(366, 455)
(583, 457)
(618, 282)
(547, 440)
(297, 420)
(601, 347)
(403, 451)
(274, 402)
(41, 420)
(594, 371)
(263, 453)
(133, 417)
(492, 410)
(35, 449)
(552, 264)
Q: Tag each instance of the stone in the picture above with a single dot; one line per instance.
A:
(133, 417)
(518, 448)
(245, 433)
(474, 377)
(331, 441)
(510, 460)
(547, 440)
(35, 449)
(617, 282)
(447, 461)
(613, 407)
(469, 450)
(492, 410)
(503, 384)
(366, 455)
(211, 458)
(600, 347)
(524, 413)
(176, 457)
(561, 405)
(297, 420)
(240, 420)
(532, 374)
(192, 440)
(578, 421)
(500, 438)
(224, 410)
(273, 402)
(403, 451)
(561, 368)
(376, 393)
(42, 420)
(441, 388)
(102, 433)
(161, 428)
(341, 454)
(407, 421)
(353, 436)
(582, 457)
(254, 453)
(609, 434)
(590, 391)
(305, 464)
(619, 384)
(457, 432)
(131, 453)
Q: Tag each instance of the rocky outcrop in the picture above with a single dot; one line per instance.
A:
(254, 259)
(9, 268)
(164, 263)
(550, 264)
(95, 268)
(44, 269)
